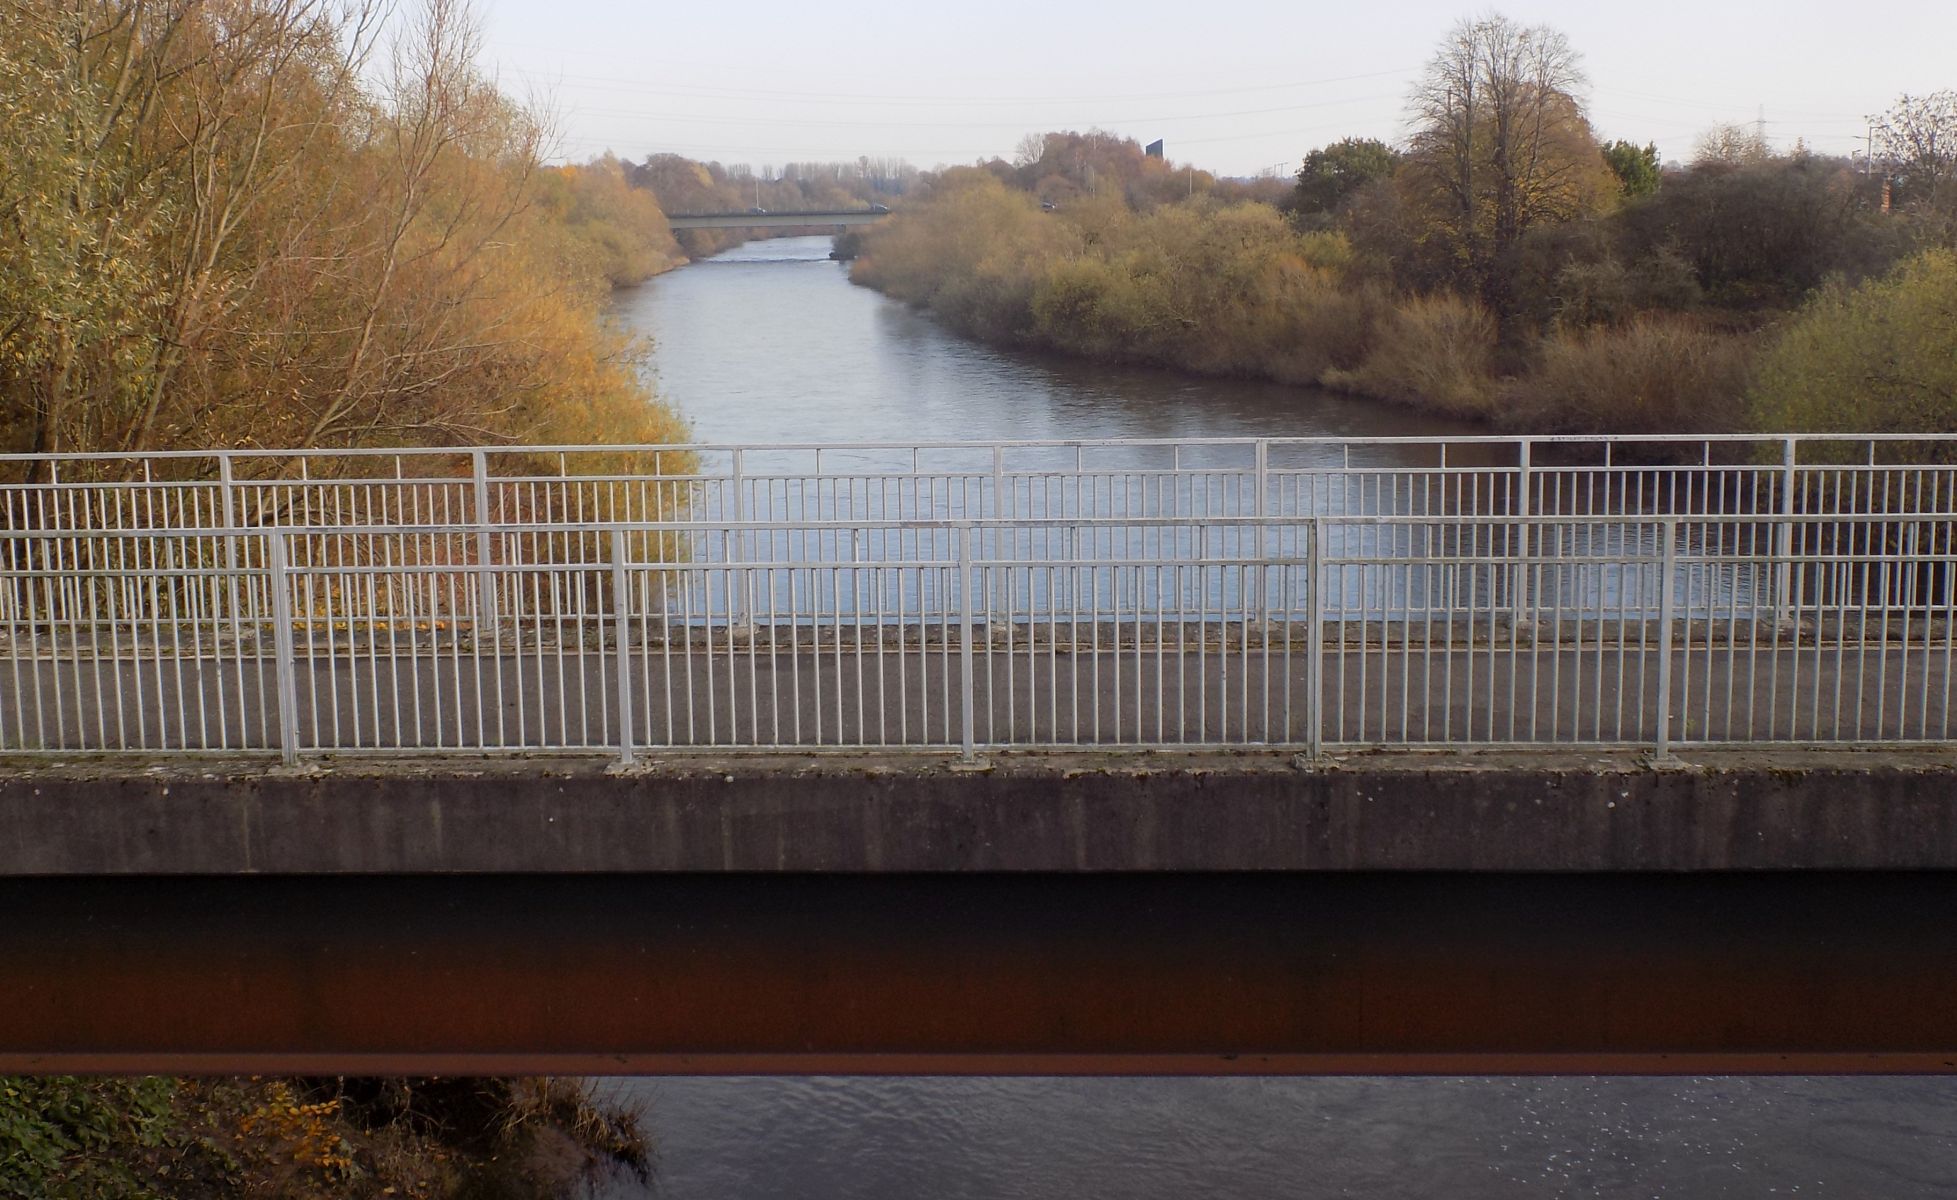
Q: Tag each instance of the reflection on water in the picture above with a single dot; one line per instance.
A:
(770, 343)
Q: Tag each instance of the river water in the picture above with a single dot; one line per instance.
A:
(769, 342)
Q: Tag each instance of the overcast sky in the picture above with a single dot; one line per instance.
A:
(1235, 86)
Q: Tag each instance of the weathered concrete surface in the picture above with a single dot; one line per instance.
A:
(1792, 811)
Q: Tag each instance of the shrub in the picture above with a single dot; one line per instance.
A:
(1875, 358)
(1653, 375)
(1434, 352)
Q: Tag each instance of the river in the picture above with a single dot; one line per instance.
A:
(769, 342)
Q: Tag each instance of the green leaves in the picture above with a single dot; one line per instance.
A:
(1333, 173)
(1636, 167)
(65, 1137)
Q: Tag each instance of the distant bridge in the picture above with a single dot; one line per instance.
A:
(760, 219)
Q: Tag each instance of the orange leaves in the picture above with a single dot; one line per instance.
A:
(306, 1135)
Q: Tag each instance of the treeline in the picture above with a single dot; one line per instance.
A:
(234, 223)
(1502, 264)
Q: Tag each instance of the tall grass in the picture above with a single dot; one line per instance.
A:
(1653, 375)
(1435, 352)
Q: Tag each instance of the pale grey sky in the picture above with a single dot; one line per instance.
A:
(1235, 86)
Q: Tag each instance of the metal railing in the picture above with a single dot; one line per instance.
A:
(1310, 633)
(1014, 480)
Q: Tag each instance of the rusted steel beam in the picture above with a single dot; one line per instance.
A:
(1370, 973)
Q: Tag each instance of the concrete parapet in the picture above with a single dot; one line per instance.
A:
(1091, 813)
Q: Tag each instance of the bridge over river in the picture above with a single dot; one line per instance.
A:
(1390, 755)
(759, 218)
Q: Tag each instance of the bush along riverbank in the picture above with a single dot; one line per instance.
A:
(70, 1138)
(1593, 290)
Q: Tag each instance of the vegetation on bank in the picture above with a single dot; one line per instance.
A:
(1881, 356)
(1501, 265)
(69, 1138)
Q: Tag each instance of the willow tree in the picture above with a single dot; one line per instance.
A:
(1500, 144)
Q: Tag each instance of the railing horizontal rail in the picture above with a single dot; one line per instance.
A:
(1356, 520)
(1339, 440)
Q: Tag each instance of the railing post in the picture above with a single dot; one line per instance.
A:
(622, 639)
(999, 531)
(485, 570)
(1315, 636)
(967, 679)
(228, 503)
(1667, 584)
(739, 545)
(1520, 590)
(1261, 508)
(285, 675)
(1784, 539)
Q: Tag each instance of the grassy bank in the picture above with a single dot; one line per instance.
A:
(65, 1137)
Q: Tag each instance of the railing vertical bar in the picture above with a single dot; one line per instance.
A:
(967, 681)
(285, 676)
(1315, 639)
(1667, 580)
(622, 638)
(485, 577)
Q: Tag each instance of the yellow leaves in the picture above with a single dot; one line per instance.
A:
(305, 1134)
(381, 272)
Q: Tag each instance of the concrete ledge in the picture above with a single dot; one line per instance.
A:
(1786, 811)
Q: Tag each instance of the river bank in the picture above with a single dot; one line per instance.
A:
(1237, 292)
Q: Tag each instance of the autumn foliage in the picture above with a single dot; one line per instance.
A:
(235, 223)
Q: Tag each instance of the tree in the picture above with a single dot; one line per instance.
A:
(1729, 145)
(220, 226)
(1331, 174)
(1917, 139)
(1761, 235)
(187, 127)
(1636, 167)
(1500, 143)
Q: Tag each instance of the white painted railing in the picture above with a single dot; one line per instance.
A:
(1312, 633)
